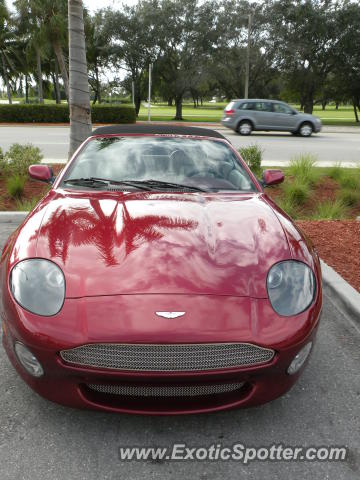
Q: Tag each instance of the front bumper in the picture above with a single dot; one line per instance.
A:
(214, 320)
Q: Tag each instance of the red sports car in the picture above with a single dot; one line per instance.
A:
(157, 277)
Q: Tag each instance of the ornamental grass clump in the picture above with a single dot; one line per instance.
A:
(349, 197)
(336, 172)
(350, 180)
(302, 168)
(288, 206)
(296, 192)
(15, 186)
(330, 210)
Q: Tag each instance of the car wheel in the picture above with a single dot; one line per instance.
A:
(245, 128)
(306, 129)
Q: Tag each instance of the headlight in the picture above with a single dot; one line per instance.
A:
(291, 287)
(38, 285)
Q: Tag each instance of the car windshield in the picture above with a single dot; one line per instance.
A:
(202, 164)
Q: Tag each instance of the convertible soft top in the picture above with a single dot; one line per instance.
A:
(157, 130)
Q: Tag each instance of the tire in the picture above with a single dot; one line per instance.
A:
(306, 129)
(245, 127)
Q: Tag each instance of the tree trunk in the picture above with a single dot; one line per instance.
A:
(95, 97)
(309, 104)
(337, 105)
(56, 85)
(61, 62)
(80, 112)
(26, 89)
(170, 102)
(355, 111)
(137, 103)
(39, 75)
(98, 86)
(323, 104)
(6, 78)
(178, 105)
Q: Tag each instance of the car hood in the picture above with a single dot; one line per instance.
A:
(110, 243)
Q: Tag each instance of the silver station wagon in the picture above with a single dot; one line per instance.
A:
(244, 116)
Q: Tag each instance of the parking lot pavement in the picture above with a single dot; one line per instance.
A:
(41, 440)
(329, 146)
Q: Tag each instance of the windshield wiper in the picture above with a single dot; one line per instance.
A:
(87, 182)
(93, 182)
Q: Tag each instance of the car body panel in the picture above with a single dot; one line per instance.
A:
(127, 234)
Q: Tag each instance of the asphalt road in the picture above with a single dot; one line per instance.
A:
(330, 147)
(40, 440)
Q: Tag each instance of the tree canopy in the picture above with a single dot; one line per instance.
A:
(306, 51)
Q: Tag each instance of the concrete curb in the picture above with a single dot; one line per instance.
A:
(12, 217)
(341, 292)
(209, 124)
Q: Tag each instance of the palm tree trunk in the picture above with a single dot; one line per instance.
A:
(6, 77)
(61, 62)
(80, 113)
(56, 83)
(39, 75)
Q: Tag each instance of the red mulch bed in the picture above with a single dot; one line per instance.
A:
(325, 189)
(338, 244)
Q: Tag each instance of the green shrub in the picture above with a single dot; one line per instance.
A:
(15, 186)
(336, 172)
(113, 113)
(302, 168)
(296, 192)
(330, 210)
(349, 197)
(52, 113)
(18, 158)
(252, 155)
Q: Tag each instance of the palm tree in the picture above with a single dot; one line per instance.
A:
(80, 113)
(6, 41)
(29, 28)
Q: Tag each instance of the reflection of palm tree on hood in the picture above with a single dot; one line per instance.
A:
(87, 226)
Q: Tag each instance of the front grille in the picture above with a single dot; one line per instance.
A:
(167, 357)
(166, 391)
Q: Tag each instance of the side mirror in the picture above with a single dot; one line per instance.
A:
(272, 177)
(44, 173)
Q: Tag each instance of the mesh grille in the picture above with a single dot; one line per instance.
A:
(167, 357)
(166, 391)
